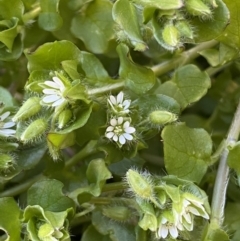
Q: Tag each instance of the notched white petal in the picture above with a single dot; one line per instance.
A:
(4, 115)
(113, 122)
(122, 139)
(109, 135)
(52, 84)
(51, 98)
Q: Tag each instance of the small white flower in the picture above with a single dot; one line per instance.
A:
(166, 227)
(118, 104)
(54, 94)
(120, 131)
(191, 206)
(5, 125)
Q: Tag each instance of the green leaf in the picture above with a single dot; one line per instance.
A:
(189, 84)
(213, 27)
(150, 103)
(125, 15)
(11, 8)
(71, 68)
(97, 174)
(49, 18)
(5, 97)
(233, 158)
(163, 4)
(94, 70)
(116, 231)
(9, 33)
(187, 152)
(231, 35)
(137, 78)
(95, 26)
(50, 55)
(212, 56)
(91, 234)
(30, 157)
(90, 131)
(48, 194)
(9, 218)
(16, 52)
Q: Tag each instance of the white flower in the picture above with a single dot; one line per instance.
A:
(120, 131)
(4, 126)
(54, 95)
(167, 227)
(118, 105)
(191, 206)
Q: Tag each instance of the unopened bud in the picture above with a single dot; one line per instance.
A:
(64, 117)
(198, 8)
(140, 185)
(171, 35)
(34, 130)
(117, 213)
(185, 29)
(162, 117)
(28, 109)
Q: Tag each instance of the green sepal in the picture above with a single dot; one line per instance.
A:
(61, 141)
(137, 78)
(10, 218)
(173, 192)
(97, 174)
(7, 146)
(198, 8)
(187, 152)
(125, 15)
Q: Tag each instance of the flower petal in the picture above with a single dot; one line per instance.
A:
(50, 98)
(7, 132)
(50, 91)
(163, 232)
(173, 231)
(128, 136)
(113, 99)
(52, 84)
(110, 128)
(122, 139)
(59, 82)
(109, 135)
(193, 211)
(9, 124)
(58, 102)
(120, 98)
(126, 124)
(4, 115)
(126, 104)
(129, 129)
(120, 120)
(115, 138)
(113, 122)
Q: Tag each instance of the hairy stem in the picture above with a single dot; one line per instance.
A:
(184, 58)
(222, 178)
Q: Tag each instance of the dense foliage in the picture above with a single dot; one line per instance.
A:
(119, 120)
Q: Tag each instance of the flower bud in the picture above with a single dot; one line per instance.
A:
(34, 130)
(117, 213)
(171, 35)
(185, 29)
(198, 8)
(6, 162)
(162, 117)
(28, 109)
(140, 185)
(64, 117)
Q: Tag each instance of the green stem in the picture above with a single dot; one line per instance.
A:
(31, 15)
(222, 178)
(106, 88)
(116, 186)
(184, 58)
